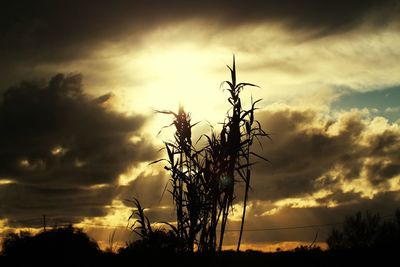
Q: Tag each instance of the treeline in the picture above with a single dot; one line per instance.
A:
(368, 231)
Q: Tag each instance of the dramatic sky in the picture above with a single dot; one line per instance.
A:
(79, 81)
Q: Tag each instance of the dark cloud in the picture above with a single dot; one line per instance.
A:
(381, 170)
(38, 36)
(153, 192)
(23, 205)
(148, 189)
(63, 150)
(56, 31)
(65, 23)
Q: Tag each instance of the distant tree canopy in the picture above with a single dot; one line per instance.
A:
(366, 231)
(58, 242)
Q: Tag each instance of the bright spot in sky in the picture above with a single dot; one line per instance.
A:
(180, 75)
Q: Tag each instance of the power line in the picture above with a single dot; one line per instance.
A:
(105, 225)
(294, 227)
(285, 228)
(227, 230)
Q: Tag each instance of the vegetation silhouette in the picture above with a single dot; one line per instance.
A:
(151, 240)
(363, 240)
(60, 242)
(203, 178)
(368, 231)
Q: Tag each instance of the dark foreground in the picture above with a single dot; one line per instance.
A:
(227, 258)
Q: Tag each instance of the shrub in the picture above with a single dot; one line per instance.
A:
(58, 242)
(366, 231)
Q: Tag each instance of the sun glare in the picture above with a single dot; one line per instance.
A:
(182, 74)
(5, 181)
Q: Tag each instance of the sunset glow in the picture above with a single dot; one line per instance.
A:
(77, 147)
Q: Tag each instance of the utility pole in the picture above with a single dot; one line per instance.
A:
(44, 223)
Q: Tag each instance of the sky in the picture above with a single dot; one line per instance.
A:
(80, 80)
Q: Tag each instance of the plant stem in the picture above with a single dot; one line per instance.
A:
(244, 210)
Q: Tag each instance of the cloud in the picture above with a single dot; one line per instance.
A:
(52, 22)
(153, 192)
(324, 166)
(148, 188)
(311, 151)
(321, 219)
(63, 151)
(65, 30)
(23, 205)
(117, 46)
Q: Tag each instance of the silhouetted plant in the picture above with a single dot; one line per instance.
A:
(389, 233)
(368, 231)
(141, 225)
(57, 242)
(203, 180)
(307, 248)
(14, 243)
(111, 242)
(159, 241)
(151, 240)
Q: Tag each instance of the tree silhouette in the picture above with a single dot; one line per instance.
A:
(366, 231)
(58, 242)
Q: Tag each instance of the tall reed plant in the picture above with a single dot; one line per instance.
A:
(203, 180)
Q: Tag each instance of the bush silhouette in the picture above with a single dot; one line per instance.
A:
(14, 243)
(152, 240)
(158, 241)
(366, 231)
(58, 242)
